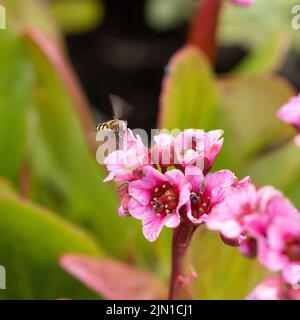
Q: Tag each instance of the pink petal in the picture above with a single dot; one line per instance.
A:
(256, 224)
(217, 183)
(175, 177)
(271, 259)
(297, 140)
(265, 194)
(142, 189)
(152, 225)
(195, 177)
(282, 229)
(243, 183)
(137, 210)
(244, 2)
(291, 274)
(221, 219)
(270, 289)
(280, 206)
(123, 212)
(290, 112)
(163, 150)
(172, 220)
(110, 177)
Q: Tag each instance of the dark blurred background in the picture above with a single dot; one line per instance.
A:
(126, 57)
(123, 56)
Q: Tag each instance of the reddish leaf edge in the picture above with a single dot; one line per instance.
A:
(112, 279)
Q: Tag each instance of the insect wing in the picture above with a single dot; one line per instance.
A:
(121, 108)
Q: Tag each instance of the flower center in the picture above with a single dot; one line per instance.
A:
(200, 204)
(164, 199)
(292, 249)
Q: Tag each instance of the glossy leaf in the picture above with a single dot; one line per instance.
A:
(188, 98)
(112, 279)
(31, 241)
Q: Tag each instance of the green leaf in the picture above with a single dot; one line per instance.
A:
(75, 16)
(25, 14)
(66, 176)
(188, 98)
(268, 57)
(31, 241)
(280, 167)
(249, 105)
(223, 272)
(16, 83)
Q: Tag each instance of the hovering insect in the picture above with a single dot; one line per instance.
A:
(121, 109)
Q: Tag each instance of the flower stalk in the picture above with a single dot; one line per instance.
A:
(182, 236)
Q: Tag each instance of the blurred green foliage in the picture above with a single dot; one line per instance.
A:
(45, 155)
(77, 16)
(168, 14)
(188, 89)
(259, 23)
(16, 83)
(32, 240)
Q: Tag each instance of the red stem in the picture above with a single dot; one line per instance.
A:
(182, 236)
(203, 30)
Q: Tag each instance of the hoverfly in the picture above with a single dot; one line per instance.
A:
(118, 125)
(120, 109)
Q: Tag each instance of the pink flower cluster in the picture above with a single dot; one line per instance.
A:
(169, 183)
(290, 114)
(262, 222)
(265, 224)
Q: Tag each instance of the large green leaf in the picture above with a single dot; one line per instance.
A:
(66, 174)
(16, 83)
(31, 241)
(248, 107)
(188, 98)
